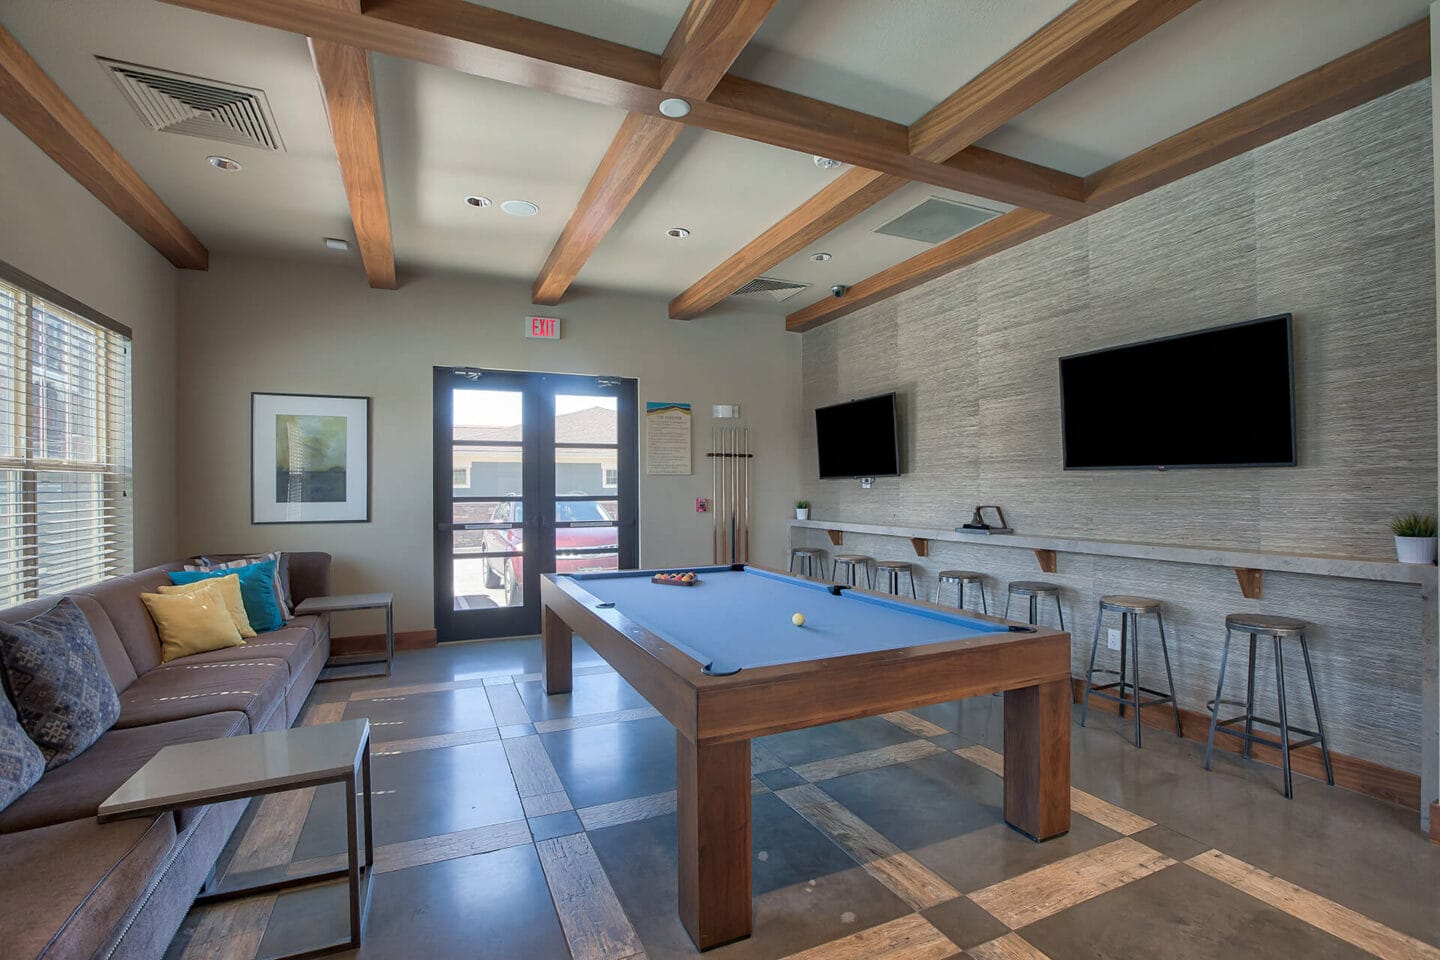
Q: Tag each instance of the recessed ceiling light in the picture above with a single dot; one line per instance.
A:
(335, 243)
(674, 107)
(820, 257)
(225, 163)
(520, 208)
(825, 163)
(679, 233)
(478, 201)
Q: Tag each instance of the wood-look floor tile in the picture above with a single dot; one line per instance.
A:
(757, 787)
(506, 705)
(410, 689)
(390, 857)
(908, 938)
(591, 671)
(531, 767)
(1058, 886)
(595, 719)
(902, 874)
(1338, 921)
(439, 740)
(833, 767)
(1101, 811)
(762, 759)
(627, 811)
(595, 925)
(1012, 946)
(916, 725)
(229, 931)
(544, 804)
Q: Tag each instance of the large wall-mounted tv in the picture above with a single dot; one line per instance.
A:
(859, 439)
(1221, 397)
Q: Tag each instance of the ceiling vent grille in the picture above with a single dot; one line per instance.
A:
(937, 219)
(177, 103)
(770, 287)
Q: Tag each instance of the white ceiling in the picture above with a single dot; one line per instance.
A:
(445, 135)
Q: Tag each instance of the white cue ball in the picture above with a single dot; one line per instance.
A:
(798, 619)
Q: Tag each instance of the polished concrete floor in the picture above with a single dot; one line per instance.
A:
(510, 824)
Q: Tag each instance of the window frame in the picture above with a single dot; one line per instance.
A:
(32, 457)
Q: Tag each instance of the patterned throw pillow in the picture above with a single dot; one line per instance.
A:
(20, 761)
(282, 575)
(57, 681)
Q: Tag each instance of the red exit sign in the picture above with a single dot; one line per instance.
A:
(542, 328)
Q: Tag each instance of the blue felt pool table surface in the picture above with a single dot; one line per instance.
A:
(737, 619)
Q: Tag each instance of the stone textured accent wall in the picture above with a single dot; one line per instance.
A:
(1334, 224)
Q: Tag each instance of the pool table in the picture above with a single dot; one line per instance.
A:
(723, 663)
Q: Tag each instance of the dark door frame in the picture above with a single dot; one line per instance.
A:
(538, 391)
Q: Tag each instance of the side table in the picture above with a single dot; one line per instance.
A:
(338, 666)
(235, 768)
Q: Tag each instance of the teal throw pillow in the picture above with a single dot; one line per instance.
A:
(257, 590)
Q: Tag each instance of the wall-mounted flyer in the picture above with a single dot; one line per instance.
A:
(667, 439)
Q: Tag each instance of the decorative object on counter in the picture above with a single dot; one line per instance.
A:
(1414, 537)
(309, 458)
(730, 455)
(980, 522)
(802, 509)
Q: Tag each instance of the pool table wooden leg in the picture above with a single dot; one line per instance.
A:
(1037, 759)
(559, 656)
(714, 843)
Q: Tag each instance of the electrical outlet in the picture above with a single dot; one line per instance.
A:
(1112, 639)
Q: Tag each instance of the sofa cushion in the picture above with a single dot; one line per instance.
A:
(292, 644)
(57, 680)
(76, 790)
(20, 760)
(112, 651)
(280, 586)
(120, 599)
(181, 689)
(191, 623)
(257, 589)
(229, 588)
(67, 887)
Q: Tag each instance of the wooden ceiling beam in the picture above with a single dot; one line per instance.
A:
(37, 106)
(706, 42)
(1372, 71)
(1086, 34)
(488, 43)
(345, 80)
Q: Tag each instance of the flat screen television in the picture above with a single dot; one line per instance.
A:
(1221, 397)
(858, 439)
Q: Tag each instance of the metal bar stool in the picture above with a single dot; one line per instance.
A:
(807, 558)
(850, 561)
(962, 579)
(891, 570)
(1131, 609)
(1034, 590)
(1277, 629)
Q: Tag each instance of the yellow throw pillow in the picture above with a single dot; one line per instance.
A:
(191, 623)
(229, 592)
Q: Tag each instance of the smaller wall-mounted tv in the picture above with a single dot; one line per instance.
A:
(858, 439)
(1220, 397)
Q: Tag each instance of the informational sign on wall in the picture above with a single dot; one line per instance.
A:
(667, 439)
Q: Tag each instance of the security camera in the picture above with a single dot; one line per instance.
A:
(839, 289)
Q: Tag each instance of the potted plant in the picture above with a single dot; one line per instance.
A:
(1414, 537)
(802, 510)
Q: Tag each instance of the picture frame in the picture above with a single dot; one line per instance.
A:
(309, 458)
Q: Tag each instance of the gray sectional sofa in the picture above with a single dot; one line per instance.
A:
(72, 888)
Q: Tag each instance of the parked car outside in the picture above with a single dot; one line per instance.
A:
(509, 572)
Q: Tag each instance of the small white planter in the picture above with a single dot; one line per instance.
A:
(1415, 549)
(804, 514)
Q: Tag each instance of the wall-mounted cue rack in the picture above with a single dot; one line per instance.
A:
(730, 484)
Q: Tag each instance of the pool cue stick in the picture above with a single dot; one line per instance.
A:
(714, 494)
(735, 511)
(724, 499)
(747, 494)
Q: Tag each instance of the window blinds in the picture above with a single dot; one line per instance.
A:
(65, 518)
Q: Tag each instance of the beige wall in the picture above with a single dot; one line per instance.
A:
(270, 326)
(54, 230)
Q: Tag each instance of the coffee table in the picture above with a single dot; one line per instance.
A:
(337, 667)
(235, 768)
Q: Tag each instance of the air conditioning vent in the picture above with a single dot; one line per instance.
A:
(771, 288)
(936, 220)
(176, 103)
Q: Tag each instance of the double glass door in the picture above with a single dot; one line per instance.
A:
(534, 473)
